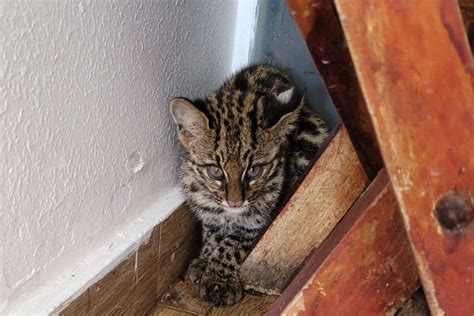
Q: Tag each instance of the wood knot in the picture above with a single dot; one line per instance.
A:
(454, 211)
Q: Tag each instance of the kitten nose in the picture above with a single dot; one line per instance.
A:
(237, 203)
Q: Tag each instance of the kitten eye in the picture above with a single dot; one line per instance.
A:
(255, 172)
(214, 172)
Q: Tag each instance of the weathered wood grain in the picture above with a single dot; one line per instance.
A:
(133, 287)
(177, 229)
(78, 307)
(250, 305)
(334, 182)
(364, 267)
(129, 288)
(166, 311)
(416, 71)
(179, 243)
(183, 297)
(319, 24)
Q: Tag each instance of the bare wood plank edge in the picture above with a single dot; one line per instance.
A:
(289, 194)
(326, 193)
(330, 272)
(318, 255)
(319, 25)
(413, 108)
(335, 131)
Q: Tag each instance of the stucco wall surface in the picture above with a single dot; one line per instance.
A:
(86, 143)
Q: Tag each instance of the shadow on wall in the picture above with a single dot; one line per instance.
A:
(278, 41)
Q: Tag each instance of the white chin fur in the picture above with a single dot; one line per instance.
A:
(235, 210)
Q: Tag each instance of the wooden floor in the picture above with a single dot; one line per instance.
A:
(182, 299)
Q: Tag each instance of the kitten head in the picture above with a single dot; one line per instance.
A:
(233, 142)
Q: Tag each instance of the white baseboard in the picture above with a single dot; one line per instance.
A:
(52, 296)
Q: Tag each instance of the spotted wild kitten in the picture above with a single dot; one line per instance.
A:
(244, 146)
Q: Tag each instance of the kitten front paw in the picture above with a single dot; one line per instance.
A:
(196, 270)
(220, 292)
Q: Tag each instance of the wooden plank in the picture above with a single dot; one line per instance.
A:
(183, 296)
(130, 287)
(178, 245)
(135, 284)
(364, 267)
(417, 75)
(78, 307)
(250, 305)
(177, 229)
(334, 182)
(166, 311)
(319, 24)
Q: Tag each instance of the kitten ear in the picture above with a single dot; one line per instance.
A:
(192, 124)
(284, 103)
(285, 96)
(289, 106)
(286, 125)
(290, 98)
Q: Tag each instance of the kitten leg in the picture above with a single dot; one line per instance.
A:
(195, 270)
(198, 265)
(220, 284)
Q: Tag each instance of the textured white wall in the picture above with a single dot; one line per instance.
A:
(86, 143)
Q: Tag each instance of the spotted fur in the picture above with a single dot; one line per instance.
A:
(244, 146)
